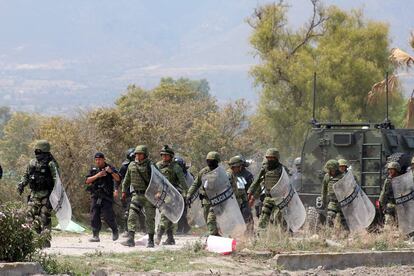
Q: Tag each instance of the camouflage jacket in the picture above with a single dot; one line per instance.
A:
(328, 194)
(138, 176)
(174, 173)
(387, 194)
(195, 187)
(266, 179)
(240, 193)
(41, 177)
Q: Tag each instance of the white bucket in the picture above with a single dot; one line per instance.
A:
(221, 245)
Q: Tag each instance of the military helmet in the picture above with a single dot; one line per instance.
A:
(167, 150)
(213, 155)
(297, 161)
(141, 149)
(42, 145)
(236, 161)
(130, 154)
(342, 162)
(332, 165)
(394, 165)
(272, 152)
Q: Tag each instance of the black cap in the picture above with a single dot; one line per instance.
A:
(99, 155)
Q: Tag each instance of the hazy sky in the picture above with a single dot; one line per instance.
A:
(86, 52)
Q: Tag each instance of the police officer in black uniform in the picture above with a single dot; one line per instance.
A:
(100, 181)
(130, 156)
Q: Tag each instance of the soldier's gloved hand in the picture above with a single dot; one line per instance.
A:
(188, 202)
(20, 188)
(123, 197)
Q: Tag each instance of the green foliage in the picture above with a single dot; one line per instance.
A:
(18, 241)
(348, 53)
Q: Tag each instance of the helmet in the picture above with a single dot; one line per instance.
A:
(272, 152)
(332, 165)
(236, 161)
(297, 161)
(130, 154)
(394, 165)
(42, 145)
(213, 155)
(167, 150)
(342, 162)
(141, 149)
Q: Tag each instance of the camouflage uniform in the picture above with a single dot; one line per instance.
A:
(266, 179)
(40, 175)
(138, 176)
(241, 192)
(174, 173)
(334, 212)
(126, 203)
(386, 198)
(209, 215)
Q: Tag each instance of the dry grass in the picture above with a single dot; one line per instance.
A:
(277, 240)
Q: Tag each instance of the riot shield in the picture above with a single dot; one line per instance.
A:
(223, 201)
(289, 203)
(60, 203)
(195, 212)
(358, 210)
(164, 196)
(403, 188)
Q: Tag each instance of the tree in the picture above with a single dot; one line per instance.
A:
(347, 52)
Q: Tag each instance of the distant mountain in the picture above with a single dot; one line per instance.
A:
(57, 56)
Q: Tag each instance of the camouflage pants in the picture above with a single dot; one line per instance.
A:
(210, 219)
(39, 213)
(165, 225)
(141, 218)
(334, 216)
(270, 211)
(139, 201)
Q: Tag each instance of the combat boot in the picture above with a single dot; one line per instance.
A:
(170, 238)
(150, 243)
(131, 239)
(160, 232)
(95, 237)
(115, 235)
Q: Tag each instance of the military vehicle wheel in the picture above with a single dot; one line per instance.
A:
(312, 220)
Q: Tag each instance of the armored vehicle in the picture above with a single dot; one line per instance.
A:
(366, 146)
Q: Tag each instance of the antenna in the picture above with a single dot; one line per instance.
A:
(386, 92)
(314, 122)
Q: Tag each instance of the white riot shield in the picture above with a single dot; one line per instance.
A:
(358, 210)
(195, 212)
(164, 196)
(403, 188)
(224, 203)
(60, 203)
(289, 203)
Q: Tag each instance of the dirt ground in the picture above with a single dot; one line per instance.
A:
(77, 247)
(78, 244)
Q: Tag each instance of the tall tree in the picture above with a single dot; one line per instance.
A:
(347, 52)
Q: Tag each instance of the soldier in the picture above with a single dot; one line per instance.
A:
(100, 181)
(130, 156)
(329, 200)
(239, 183)
(174, 173)
(40, 175)
(183, 227)
(212, 160)
(138, 176)
(343, 165)
(269, 175)
(386, 198)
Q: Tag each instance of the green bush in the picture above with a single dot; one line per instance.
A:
(18, 241)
